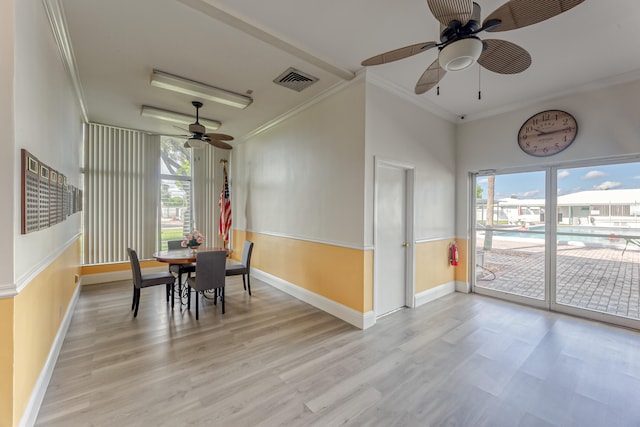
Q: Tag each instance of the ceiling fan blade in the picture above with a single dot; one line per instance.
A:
(394, 55)
(446, 11)
(219, 136)
(220, 144)
(521, 13)
(430, 77)
(503, 57)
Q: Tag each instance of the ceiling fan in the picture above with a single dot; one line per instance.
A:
(198, 137)
(459, 46)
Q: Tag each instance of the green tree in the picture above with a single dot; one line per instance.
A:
(175, 156)
(479, 192)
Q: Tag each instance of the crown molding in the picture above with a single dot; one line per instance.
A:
(58, 22)
(574, 90)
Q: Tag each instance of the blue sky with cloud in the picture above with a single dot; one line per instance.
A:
(531, 185)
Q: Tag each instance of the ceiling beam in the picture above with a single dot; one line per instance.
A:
(204, 7)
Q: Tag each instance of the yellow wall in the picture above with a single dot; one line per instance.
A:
(462, 270)
(6, 361)
(343, 275)
(432, 265)
(38, 313)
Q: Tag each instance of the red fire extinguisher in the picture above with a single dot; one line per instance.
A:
(453, 254)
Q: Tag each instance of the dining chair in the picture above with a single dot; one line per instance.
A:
(144, 281)
(210, 268)
(179, 269)
(243, 269)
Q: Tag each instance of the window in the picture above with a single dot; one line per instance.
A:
(176, 206)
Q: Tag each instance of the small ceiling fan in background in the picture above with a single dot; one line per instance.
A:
(459, 47)
(198, 137)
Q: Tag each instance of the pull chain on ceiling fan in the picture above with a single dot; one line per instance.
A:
(459, 47)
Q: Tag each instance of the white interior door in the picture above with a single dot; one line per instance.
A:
(391, 238)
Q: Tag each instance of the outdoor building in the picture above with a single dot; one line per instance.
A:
(602, 208)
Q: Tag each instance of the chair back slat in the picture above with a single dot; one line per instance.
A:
(135, 267)
(246, 254)
(210, 270)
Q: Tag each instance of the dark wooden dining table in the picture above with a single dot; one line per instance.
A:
(182, 256)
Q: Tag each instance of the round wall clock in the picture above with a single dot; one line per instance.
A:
(547, 133)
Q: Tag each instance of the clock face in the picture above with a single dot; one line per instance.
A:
(547, 133)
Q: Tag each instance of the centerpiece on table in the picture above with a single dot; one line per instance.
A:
(192, 240)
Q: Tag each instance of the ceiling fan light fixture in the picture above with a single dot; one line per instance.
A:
(200, 90)
(195, 143)
(172, 116)
(460, 54)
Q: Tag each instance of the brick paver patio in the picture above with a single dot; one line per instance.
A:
(596, 278)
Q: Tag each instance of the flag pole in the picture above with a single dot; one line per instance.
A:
(225, 207)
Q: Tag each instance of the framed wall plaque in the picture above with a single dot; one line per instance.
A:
(46, 196)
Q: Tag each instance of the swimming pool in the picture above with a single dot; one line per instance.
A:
(589, 235)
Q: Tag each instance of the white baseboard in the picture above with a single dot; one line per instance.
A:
(463, 287)
(349, 315)
(37, 395)
(434, 293)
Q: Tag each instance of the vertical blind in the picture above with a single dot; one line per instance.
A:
(122, 181)
(205, 194)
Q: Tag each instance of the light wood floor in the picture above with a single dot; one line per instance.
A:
(271, 360)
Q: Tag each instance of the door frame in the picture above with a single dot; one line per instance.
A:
(409, 285)
(532, 302)
(551, 183)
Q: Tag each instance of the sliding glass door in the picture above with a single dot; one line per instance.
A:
(564, 238)
(598, 242)
(510, 236)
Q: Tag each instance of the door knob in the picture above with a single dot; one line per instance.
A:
(405, 245)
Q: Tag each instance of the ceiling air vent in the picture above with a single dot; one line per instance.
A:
(294, 79)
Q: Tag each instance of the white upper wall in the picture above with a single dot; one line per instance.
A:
(400, 131)
(7, 161)
(304, 177)
(608, 126)
(48, 124)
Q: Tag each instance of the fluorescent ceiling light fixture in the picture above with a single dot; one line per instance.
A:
(199, 90)
(171, 116)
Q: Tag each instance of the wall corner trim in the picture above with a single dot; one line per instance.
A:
(13, 289)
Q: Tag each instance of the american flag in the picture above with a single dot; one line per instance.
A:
(225, 210)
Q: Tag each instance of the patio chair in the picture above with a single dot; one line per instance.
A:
(632, 241)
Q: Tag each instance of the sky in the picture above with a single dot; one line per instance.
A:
(530, 185)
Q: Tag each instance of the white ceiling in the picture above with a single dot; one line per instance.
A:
(242, 45)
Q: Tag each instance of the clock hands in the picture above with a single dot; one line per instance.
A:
(540, 132)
